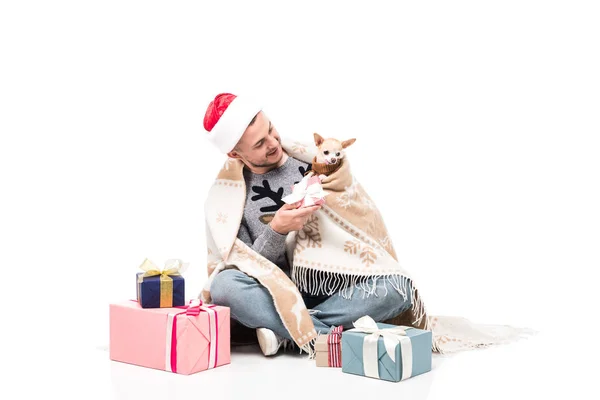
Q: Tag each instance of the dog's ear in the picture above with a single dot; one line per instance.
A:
(318, 139)
(347, 143)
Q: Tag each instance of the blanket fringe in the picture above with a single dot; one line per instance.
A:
(318, 282)
(467, 335)
(309, 348)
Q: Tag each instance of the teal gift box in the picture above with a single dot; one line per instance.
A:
(407, 352)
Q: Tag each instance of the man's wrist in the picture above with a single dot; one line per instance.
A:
(275, 228)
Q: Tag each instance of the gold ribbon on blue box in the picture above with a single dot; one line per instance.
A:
(164, 279)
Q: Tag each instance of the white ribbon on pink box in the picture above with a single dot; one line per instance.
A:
(309, 191)
(194, 308)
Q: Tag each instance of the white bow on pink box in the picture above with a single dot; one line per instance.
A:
(308, 191)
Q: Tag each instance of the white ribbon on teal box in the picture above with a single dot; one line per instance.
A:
(384, 351)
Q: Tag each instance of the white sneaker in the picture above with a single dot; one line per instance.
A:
(269, 341)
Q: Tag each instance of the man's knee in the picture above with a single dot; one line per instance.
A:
(385, 301)
(396, 298)
(398, 301)
(226, 284)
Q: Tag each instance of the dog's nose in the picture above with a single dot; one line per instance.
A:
(333, 160)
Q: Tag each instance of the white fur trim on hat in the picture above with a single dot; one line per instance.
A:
(233, 123)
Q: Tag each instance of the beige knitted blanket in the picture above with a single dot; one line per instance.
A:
(341, 246)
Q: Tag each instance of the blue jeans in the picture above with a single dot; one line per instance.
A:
(252, 305)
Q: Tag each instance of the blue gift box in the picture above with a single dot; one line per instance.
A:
(148, 290)
(352, 354)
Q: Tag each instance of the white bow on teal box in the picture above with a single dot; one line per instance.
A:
(384, 351)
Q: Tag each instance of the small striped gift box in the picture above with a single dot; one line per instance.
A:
(328, 349)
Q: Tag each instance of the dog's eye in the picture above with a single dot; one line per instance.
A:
(326, 152)
(337, 154)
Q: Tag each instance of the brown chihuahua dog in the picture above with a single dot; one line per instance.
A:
(331, 151)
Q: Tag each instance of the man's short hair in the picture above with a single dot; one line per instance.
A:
(250, 124)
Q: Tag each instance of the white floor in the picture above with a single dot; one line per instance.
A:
(477, 130)
(529, 368)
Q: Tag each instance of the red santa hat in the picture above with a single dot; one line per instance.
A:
(227, 117)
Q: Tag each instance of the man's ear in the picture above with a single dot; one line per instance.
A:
(318, 139)
(234, 154)
(347, 143)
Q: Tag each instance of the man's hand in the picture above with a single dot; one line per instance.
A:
(289, 218)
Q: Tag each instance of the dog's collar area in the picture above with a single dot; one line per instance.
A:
(324, 168)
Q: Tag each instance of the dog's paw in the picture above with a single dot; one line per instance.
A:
(322, 176)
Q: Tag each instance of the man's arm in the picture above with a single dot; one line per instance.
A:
(270, 244)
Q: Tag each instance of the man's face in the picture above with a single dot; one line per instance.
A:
(260, 145)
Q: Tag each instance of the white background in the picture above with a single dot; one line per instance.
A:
(477, 127)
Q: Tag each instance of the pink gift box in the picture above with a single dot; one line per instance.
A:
(184, 340)
(309, 200)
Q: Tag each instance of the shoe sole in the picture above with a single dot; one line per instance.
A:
(267, 341)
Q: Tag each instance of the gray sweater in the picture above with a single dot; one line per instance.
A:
(263, 199)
